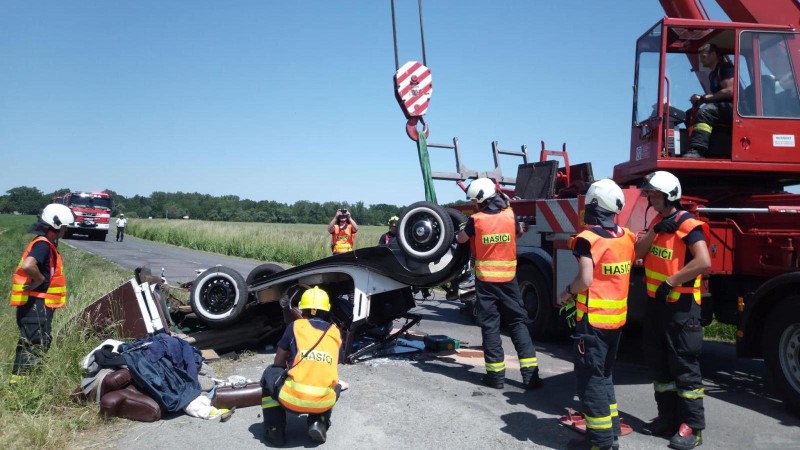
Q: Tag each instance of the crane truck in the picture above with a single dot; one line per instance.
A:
(739, 189)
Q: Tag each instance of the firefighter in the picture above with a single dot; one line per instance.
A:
(389, 239)
(600, 289)
(304, 377)
(492, 233)
(675, 255)
(718, 109)
(343, 232)
(38, 288)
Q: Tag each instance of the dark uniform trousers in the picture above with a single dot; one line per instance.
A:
(596, 351)
(34, 321)
(708, 117)
(275, 414)
(502, 300)
(673, 340)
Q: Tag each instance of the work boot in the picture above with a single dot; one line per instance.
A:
(615, 445)
(686, 438)
(531, 380)
(318, 431)
(494, 381)
(275, 435)
(693, 154)
(659, 427)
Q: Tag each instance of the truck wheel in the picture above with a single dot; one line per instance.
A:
(537, 297)
(782, 351)
(425, 231)
(262, 271)
(219, 296)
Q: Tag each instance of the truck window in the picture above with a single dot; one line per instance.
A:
(778, 93)
(91, 202)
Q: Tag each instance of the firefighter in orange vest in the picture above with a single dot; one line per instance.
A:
(343, 231)
(605, 253)
(675, 255)
(492, 233)
(38, 288)
(304, 377)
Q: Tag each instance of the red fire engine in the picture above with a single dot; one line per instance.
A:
(92, 212)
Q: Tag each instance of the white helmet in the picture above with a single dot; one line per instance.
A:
(57, 215)
(605, 194)
(481, 189)
(665, 182)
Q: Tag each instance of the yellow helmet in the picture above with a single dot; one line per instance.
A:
(393, 221)
(315, 298)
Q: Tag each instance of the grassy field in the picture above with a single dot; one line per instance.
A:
(292, 244)
(38, 412)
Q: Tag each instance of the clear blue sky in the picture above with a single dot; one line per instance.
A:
(293, 100)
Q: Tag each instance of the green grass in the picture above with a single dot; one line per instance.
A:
(38, 412)
(292, 244)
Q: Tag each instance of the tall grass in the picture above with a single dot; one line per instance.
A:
(38, 412)
(293, 244)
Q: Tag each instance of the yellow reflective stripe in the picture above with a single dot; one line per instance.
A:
(664, 387)
(268, 402)
(17, 287)
(614, 409)
(307, 389)
(606, 304)
(485, 262)
(291, 399)
(489, 273)
(528, 362)
(608, 318)
(495, 367)
(693, 394)
(598, 423)
(57, 290)
(656, 275)
(700, 126)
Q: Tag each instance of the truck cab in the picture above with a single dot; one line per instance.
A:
(759, 147)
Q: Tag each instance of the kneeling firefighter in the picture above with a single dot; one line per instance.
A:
(304, 377)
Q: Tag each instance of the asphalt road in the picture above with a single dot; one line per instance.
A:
(436, 401)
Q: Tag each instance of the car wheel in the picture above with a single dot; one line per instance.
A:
(425, 231)
(219, 296)
(262, 271)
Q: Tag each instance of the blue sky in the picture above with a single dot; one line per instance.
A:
(293, 101)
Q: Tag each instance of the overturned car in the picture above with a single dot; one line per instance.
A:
(370, 287)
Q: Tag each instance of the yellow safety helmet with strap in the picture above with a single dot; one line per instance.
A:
(393, 221)
(314, 299)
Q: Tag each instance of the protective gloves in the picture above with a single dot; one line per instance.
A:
(666, 226)
(663, 291)
(568, 312)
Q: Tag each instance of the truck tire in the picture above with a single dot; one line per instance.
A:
(782, 351)
(537, 298)
(262, 271)
(218, 296)
(425, 231)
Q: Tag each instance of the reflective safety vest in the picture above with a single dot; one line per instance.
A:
(309, 385)
(668, 254)
(342, 239)
(56, 294)
(495, 246)
(606, 300)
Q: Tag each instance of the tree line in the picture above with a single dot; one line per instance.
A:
(226, 208)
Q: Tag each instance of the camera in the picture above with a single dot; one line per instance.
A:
(344, 211)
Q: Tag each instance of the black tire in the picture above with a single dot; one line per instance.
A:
(218, 297)
(782, 351)
(262, 271)
(537, 298)
(457, 217)
(424, 231)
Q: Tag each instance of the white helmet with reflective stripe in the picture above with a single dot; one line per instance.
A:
(665, 182)
(481, 190)
(57, 215)
(605, 194)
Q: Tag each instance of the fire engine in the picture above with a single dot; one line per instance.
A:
(739, 189)
(92, 212)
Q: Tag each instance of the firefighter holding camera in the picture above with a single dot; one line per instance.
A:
(343, 232)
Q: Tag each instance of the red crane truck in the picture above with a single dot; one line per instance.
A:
(739, 189)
